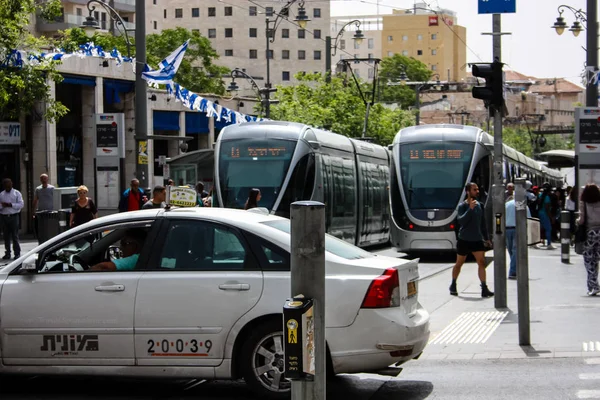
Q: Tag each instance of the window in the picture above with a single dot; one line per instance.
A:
(317, 13)
(252, 11)
(154, 2)
(270, 54)
(155, 25)
(228, 32)
(433, 52)
(253, 53)
(199, 245)
(301, 33)
(317, 34)
(357, 72)
(285, 54)
(253, 32)
(285, 75)
(269, 11)
(390, 38)
(356, 45)
(419, 37)
(285, 33)
(342, 44)
(405, 52)
(433, 36)
(165, 13)
(371, 73)
(212, 33)
(371, 43)
(390, 53)
(212, 12)
(195, 12)
(317, 54)
(229, 53)
(178, 13)
(370, 55)
(79, 11)
(405, 38)
(228, 11)
(301, 55)
(434, 67)
(419, 52)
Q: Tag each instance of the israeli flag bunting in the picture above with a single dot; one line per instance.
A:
(167, 67)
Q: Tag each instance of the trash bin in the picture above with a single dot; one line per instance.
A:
(64, 216)
(47, 225)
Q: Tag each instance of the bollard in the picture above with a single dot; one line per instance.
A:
(565, 237)
(307, 253)
(522, 263)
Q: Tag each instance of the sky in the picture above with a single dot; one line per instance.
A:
(532, 49)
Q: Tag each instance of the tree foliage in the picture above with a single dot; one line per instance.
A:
(391, 70)
(197, 71)
(529, 144)
(336, 106)
(22, 86)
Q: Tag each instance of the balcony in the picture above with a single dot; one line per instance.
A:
(72, 21)
(119, 5)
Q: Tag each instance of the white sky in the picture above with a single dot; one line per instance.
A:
(533, 48)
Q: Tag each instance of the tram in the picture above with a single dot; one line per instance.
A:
(289, 162)
(429, 169)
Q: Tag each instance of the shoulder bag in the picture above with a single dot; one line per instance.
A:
(581, 233)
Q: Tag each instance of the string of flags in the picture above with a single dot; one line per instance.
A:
(162, 76)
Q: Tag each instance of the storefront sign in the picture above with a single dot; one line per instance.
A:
(10, 133)
(110, 135)
(181, 196)
(433, 20)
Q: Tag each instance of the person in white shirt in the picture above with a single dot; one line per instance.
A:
(11, 204)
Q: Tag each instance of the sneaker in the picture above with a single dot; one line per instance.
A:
(485, 292)
(453, 290)
(16, 256)
(512, 277)
(550, 247)
(6, 257)
(593, 292)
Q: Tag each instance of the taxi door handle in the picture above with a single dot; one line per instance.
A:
(110, 288)
(234, 286)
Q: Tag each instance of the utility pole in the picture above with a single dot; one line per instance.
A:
(591, 92)
(141, 98)
(267, 99)
(522, 263)
(327, 59)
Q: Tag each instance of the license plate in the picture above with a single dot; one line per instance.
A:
(412, 288)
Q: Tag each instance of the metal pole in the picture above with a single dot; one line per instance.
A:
(591, 93)
(522, 263)
(417, 105)
(565, 236)
(267, 101)
(327, 59)
(365, 125)
(498, 187)
(141, 98)
(307, 220)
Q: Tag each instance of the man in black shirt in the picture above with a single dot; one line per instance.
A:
(159, 194)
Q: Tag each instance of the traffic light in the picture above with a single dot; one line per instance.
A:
(493, 91)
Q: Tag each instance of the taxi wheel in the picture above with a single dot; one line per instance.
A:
(262, 361)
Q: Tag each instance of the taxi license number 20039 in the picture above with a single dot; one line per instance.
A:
(179, 347)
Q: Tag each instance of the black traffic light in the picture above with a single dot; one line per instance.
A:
(493, 91)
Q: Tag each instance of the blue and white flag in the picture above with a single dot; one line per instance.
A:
(167, 67)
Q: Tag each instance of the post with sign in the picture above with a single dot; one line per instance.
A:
(304, 312)
(522, 263)
(587, 146)
(109, 164)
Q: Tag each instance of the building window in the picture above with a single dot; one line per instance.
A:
(419, 37)
(433, 52)
(270, 54)
(165, 13)
(228, 11)
(390, 53)
(317, 13)
(285, 75)
(212, 12)
(253, 12)
(229, 53)
(419, 52)
(370, 55)
(285, 54)
(301, 33)
(253, 53)
(79, 11)
(356, 45)
(155, 25)
(405, 53)
(269, 11)
(154, 2)
(195, 12)
(433, 36)
(301, 55)
(317, 54)
(357, 73)
(434, 67)
(371, 73)
(405, 38)
(228, 32)
(179, 13)
(390, 38)
(317, 34)
(212, 33)
(342, 44)
(285, 33)
(253, 32)
(371, 43)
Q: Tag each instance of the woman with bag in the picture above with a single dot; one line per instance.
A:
(589, 223)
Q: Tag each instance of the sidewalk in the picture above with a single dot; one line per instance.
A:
(564, 320)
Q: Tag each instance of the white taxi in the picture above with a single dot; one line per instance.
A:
(196, 293)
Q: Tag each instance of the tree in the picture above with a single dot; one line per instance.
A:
(524, 141)
(338, 107)
(21, 86)
(197, 71)
(391, 69)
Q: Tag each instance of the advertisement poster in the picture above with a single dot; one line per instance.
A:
(143, 152)
(181, 196)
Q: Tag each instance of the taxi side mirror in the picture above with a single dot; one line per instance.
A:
(30, 264)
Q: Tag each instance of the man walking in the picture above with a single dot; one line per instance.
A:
(43, 199)
(473, 238)
(133, 198)
(159, 194)
(510, 235)
(11, 204)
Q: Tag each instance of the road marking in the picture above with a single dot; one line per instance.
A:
(592, 361)
(471, 327)
(589, 376)
(591, 346)
(588, 394)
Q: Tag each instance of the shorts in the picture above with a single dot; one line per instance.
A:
(466, 247)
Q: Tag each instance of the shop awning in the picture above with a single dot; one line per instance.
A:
(79, 80)
(112, 88)
(165, 121)
(196, 123)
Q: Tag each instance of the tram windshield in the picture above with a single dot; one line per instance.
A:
(253, 163)
(434, 173)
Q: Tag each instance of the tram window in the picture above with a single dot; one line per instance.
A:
(327, 179)
(300, 186)
(481, 176)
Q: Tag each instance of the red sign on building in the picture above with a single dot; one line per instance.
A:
(433, 20)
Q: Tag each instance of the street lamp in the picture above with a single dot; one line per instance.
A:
(419, 86)
(330, 49)
(233, 87)
(91, 25)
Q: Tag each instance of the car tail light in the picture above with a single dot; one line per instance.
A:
(411, 226)
(451, 226)
(384, 291)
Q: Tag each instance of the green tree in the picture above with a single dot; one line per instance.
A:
(528, 143)
(391, 69)
(197, 71)
(336, 106)
(22, 86)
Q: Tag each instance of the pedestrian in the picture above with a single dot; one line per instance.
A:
(43, 199)
(132, 198)
(545, 214)
(473, 238)
(83, 209)
(510, 190)
(510, 235)
(11, 204)
(159, 195)
(253, 199)
(201, 194)
(589, 207)
(170, 182)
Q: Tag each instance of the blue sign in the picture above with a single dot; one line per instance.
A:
(497, 6)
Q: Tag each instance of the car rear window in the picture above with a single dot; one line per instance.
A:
(332, 244)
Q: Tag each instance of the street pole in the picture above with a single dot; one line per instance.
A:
(141, 98)
(522, 263)
(267, 99)
(565, 236)
(417, 105)
(591, 93)
(308, 279)
(327, 59)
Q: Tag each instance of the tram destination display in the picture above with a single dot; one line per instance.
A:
(436, 154)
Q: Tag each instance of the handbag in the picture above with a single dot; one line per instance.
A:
(581, 234)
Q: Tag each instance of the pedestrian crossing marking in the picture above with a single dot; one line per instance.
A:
(591, 346)
(471, 327)
(589, 376)
(592, 361)
(588, 394)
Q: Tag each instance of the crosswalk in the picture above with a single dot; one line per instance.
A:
(590, 380)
